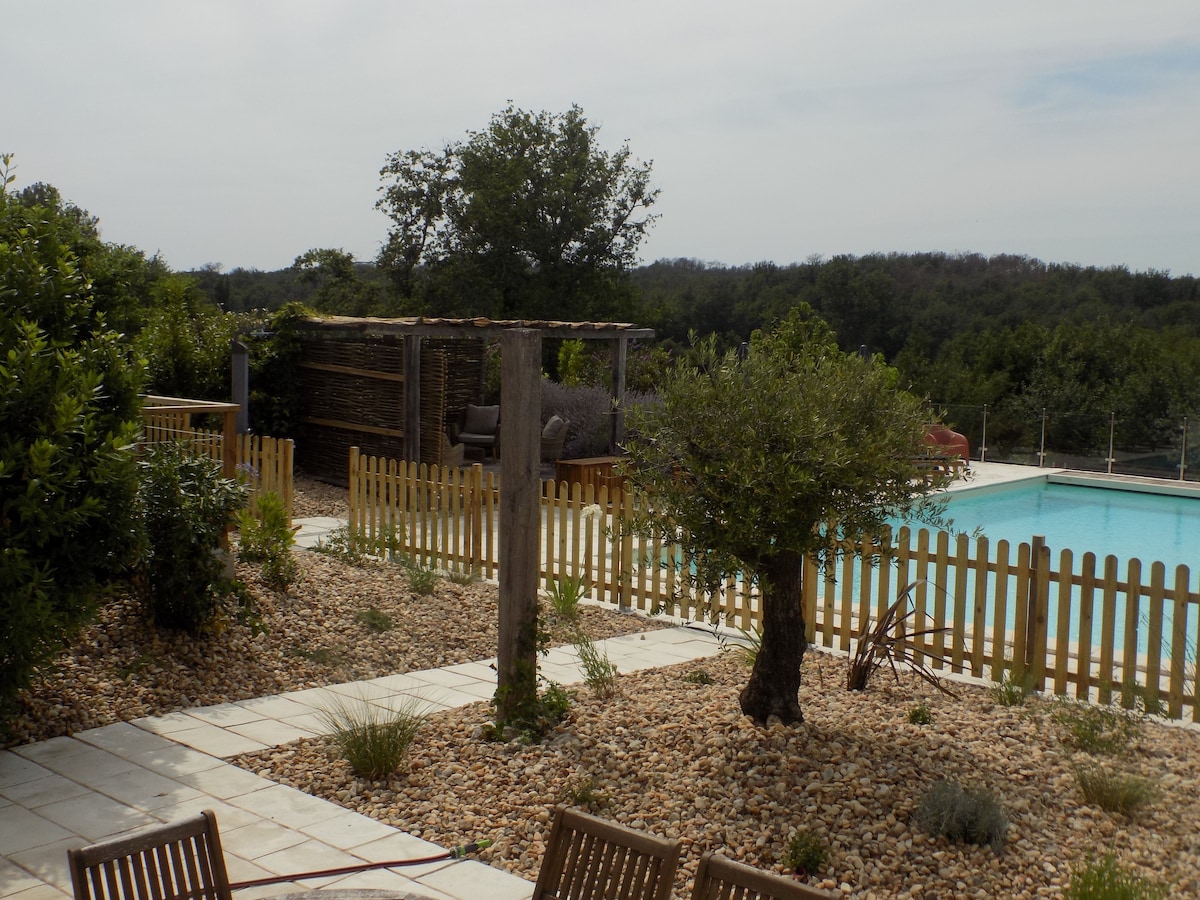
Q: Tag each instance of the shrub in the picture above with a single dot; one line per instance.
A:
(1097, 729)
(920, 714)
(588, 408)
(186, 508)
(805, 853)
(1113, 791)
(421, 579)
(531, 721)
(698, 676)
(267, 538)
(373, 741)
(69, 412)
(968, 815)
(1107, 880)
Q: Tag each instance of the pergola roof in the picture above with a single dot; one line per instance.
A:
(425, 326)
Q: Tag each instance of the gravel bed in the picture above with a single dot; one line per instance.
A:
(123, 668)
(676, 757)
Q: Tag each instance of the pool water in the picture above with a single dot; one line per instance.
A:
(1126, 524)
(1121, 523)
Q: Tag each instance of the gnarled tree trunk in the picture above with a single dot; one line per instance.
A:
(775, 681)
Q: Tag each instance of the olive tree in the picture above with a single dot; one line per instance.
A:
(528, 217)
(748, 455)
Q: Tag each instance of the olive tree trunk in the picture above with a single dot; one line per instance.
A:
(775, 681)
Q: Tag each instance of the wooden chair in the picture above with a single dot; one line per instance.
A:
(171, 862)
(588, 858)
(720, 878)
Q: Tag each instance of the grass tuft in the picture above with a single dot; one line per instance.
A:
(1114, 791)
(373, 741)
(1107, 880)
(1108, 730)
(375, 620)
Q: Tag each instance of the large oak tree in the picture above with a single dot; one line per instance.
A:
(529, 218)
(750, 454)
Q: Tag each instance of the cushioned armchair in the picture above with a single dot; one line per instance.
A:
(480, 428)
(554, 436)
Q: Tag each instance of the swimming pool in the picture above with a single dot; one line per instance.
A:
(1125, 519)
(1127, 524)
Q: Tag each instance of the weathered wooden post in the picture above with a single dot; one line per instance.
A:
(520, 519)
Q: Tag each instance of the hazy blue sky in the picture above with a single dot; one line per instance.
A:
(245, 132)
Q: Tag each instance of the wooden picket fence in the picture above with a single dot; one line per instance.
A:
(264, 462)
(1078, 627)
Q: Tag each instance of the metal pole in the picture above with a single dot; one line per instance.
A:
(1112, 427)
(1042, 451)
(983, 437)
(1183, 451)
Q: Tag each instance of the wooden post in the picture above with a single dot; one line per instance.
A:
(620, 357)
(412, 398)
(520, 520)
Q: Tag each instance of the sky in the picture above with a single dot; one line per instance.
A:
(245, 132)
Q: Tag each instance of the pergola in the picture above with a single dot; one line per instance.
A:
(413, 330)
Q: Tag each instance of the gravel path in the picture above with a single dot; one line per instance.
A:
(668, 755)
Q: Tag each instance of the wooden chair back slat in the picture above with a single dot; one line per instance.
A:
(720, 878)
(588, 858)
(180, 861)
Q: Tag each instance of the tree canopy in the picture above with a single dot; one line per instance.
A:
(528, 217)
(749, 455)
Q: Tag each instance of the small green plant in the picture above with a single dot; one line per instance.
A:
(267, 538)
(745, 650)
(1107, 880)
(375, 620)
(1013, 689)
(354, 547)
(564, 594)
(374, 741)
(891, 642)
(599, 672)
(805, 853)
(920, 714)
(698, 676)
(1137, 699)
(1107, 730)
(322, 656)
(459, 575)
(421, 579)
(1114, 791)
(531, 722)
(968, 815)
(582, 790)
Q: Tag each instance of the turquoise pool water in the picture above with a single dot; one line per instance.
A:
(1126, 524)
(1122, 523)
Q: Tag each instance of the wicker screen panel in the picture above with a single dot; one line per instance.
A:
(466, 365)
(433, 404)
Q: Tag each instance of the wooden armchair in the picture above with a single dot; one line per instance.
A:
(720, 878)
(588, 858)
(172, 862)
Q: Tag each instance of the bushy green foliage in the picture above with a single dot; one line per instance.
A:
(375, 620)
(186, 507)
(805, 853)
(1114, 791)
(698, 676)
(530, 721)
(373, 741)
(421, 579)
(1106, 879)
(69, 413)
(584, 791)
(266, 537)
(968, 815)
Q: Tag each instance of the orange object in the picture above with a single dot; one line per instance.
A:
(948, 441)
